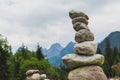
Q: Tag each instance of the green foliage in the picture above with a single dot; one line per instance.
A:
(112, 56)
(39, 54)
(99, 51)
(14, 67)
(25, 59)
(63, 72)
(4, 56)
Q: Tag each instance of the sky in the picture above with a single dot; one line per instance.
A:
(47, 21)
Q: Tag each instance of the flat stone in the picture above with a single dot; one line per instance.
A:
(74, 60)
(86, 48)
(80, 19)
(78, 26)
(30, 72)
(74, 14)
(35, 76)
(87, 73)
(84, 35)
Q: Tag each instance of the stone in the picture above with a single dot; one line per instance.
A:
(78, 26)
(74, 60)
(43, 76)
(80, 19)
(87, 73)
(116, 68)
(35, 76)
(84, 35)
(86, 48)
(74, 14)
(30, 72)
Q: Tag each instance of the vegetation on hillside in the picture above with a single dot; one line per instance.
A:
(14, 65)
(112, 56)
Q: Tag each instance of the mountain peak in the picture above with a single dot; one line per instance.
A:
(55, 45)
(115, 32)
(114, 38)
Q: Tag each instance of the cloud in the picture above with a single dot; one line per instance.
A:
(47, 22)
(105, 20)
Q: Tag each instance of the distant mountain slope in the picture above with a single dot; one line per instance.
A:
(114, 39)
(54, 50)
(56, 60)
(68, 49)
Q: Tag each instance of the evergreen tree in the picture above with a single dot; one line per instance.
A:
(99, 51)
(39, 54)
(16, 67)
(109, 60)
(115, 55)
(4, 56)
(24, 52)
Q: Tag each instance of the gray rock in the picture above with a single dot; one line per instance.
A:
(74, 60)
(80, 19)
(116, 68)
(87, 73)
(84, 35)
(33, 75)
(78, 26)
(74, 14)
(30, 72)
(86, 48)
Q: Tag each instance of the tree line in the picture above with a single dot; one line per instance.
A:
(14, 65)
(112, 57)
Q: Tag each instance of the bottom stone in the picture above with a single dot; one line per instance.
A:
(87, 73)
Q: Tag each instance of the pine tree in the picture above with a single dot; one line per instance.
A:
(39, 54)
(4, 56)
(24, 52)
(99, 51)
(109, 60)
(16, 67)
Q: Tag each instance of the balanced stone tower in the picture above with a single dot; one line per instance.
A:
(85, 63)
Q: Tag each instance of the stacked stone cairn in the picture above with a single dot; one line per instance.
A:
(85, 63)
(35, 75)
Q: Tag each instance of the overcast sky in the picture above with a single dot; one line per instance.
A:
(47, 21)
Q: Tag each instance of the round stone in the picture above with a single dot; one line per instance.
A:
(78, 26)
(80, 19)
(84, 35)
(87, 73)
(35, 76)
(74, 14)
(85, 48)
(29, 72)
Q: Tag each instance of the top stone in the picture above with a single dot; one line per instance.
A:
(74, 14)
(30, 72)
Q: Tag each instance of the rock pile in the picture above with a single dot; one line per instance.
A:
(84, 64)
(35, 75)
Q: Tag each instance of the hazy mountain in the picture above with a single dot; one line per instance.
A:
(54, 50)
(56, 60)
(68, 49)
(114, 39)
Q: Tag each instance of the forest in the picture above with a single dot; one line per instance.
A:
(14, 65)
